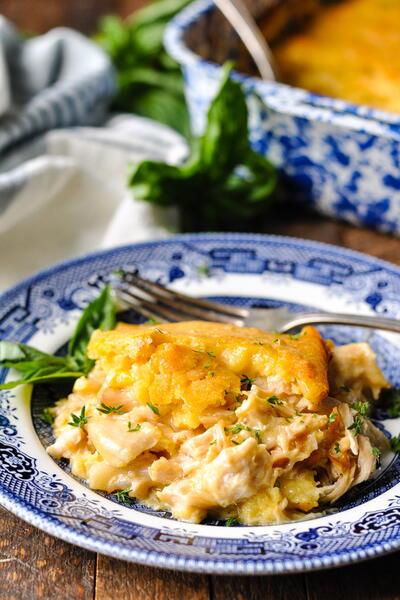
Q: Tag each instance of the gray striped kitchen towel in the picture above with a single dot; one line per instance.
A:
(59, 79)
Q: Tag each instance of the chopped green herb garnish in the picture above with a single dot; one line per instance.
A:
(109, 409)
(47, 416)
(203, 270)
(212, 443)
(395, 443)
(236, 443)
(235, 429)
(277, 340)
(258, 436)
(212, 373)
(357, 425)
(231, 521)
(375, 451)
(210, 354)
(153, 408)
(123, 496)
(246, 382)
(361, 407)
(298, 414)
(275, 400)
(152, 321)
(79, 421)
(133, 429)
(259, 343)
(277, 484)
(345, 388)
(332, 417)
(337, 448)
(159, 330)
(296, 336)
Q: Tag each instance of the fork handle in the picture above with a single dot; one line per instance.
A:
(241, 19)
(341, 319)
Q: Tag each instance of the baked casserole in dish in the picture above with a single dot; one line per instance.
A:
(332, 122)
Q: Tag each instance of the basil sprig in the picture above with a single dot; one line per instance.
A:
(36, 366)
(224, 184)
(149, 80)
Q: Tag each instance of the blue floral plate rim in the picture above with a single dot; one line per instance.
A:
(250, 552)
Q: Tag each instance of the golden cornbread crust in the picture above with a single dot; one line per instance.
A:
(301, 360)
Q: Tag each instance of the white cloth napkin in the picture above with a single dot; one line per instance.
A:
(66, 194)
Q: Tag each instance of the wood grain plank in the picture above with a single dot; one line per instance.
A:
(119, 579)
(299, 221)
(377, 579)
(81, 15)
(288, 587)
(372, 242)
(36, 566)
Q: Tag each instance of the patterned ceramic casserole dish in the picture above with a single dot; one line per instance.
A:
(343, 158)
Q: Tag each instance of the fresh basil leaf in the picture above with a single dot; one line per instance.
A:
(224, 144)
(36, 366)
(40, 378)
(151, 78)
(224, 184)
(156, 182)
(165, 106)
(99, 314)
(31, 368)
(148, 39)
(157, 11)
(137, 44)
(14, 352)
(113, 35)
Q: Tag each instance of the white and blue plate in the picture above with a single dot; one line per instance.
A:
(241, 269)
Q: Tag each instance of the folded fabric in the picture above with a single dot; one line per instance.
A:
(59, 79)
(65, 194)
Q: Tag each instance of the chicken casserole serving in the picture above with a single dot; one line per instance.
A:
(201, 419)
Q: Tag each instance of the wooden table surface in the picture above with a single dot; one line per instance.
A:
(34, 565)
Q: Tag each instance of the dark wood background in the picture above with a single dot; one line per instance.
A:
(36, 566)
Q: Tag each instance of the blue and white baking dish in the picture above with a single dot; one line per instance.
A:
(340, 157)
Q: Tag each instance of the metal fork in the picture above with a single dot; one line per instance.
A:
(155, 301)
(241, 19)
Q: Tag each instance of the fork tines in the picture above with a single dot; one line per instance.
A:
(158, 302)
